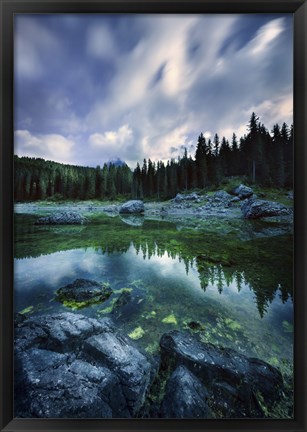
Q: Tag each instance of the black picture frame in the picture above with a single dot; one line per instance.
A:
(10, 7)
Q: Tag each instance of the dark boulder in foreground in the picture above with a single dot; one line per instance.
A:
(243, 191)
(132, 207)
(256, 209)
(63, 218)
(71, 366)
(185, 397)
(68, 365)
(235, 385)
(84, 290)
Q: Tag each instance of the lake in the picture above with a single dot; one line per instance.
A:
(229, 281)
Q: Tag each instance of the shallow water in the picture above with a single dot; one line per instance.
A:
(232, 290)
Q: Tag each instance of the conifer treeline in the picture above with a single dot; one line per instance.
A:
(264, 158)
(37, 179)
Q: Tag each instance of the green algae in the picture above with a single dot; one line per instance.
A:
(137, 333)
(152, 348)
(170, 319)
(27, 310)
(287, 327)
(108, 309)
(232, 324)
(123, 290)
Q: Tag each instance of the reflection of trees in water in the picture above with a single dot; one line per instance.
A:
(263, 265)
(264, 279)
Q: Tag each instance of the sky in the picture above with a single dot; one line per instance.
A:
(89, 89)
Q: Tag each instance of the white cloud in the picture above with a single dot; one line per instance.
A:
(52, 146)
(275, 110)
(100, 42)
(113, 144)
(110, 138)
(265, 36)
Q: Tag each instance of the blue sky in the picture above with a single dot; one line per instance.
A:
(93, 88)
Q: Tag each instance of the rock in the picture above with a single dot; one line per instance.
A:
(58, 332)
(243, 191)
(127, 306)
(83, 291)
(222, 195)
(255, 209)
(132, 207)
(68, 365)
(57, 387)
(290, 195)
(185, 396)
(130, 365)
(191, 197)
(246, 383)
(63, 218)
(133, 220)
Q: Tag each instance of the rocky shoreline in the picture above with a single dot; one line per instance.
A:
(70, 366)
(242, 203)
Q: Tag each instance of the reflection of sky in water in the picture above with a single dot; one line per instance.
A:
(50, 272)
(172, 288)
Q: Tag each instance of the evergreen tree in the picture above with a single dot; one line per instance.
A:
(200, 162)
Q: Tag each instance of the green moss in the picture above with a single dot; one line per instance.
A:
(122, 290)
(27, 310)
(109, 308)
(274, 361)
(170, 319)
(262, 404)
(233, 325)
(74, 305)
(152, 348)
(287, 327)
(137, 333)
(149, 315)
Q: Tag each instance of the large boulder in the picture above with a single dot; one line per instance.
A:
(238, 386)
(185, 397)
(132, 207)
(68, 365)
(256, 209)
(132, 368)
(83, 292)
(62, 218)
(243, 191)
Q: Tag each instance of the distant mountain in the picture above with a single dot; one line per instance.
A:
(117, 162)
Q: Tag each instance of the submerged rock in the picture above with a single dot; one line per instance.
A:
(83, 291)
(243, 191)
(255, 209)
(68, 365)
(63, 218)
(132, 206)
(237, 386)
(185, 397)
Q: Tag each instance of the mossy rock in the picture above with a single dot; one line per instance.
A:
(82, 293)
